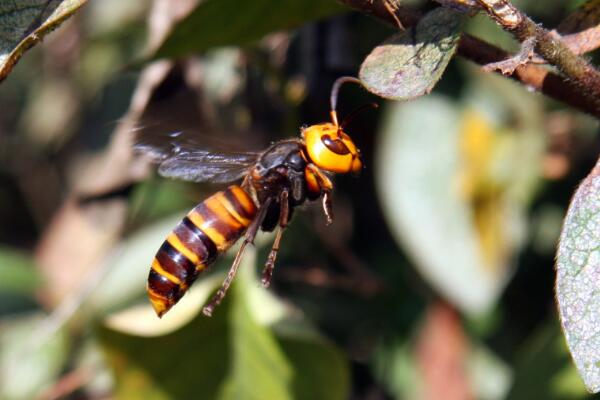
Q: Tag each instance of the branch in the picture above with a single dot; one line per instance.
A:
(580, 30)
(548, 45)
(532, 76)
(483, 53)
(584, 41)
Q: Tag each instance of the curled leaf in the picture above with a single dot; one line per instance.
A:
(24, 23)
(578, 279)
(409, 64)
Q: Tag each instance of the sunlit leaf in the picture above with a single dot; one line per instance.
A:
(417, 169)
(31, 356)
(454, 183)
(141, 320)
(578, 279)
(23, 24)
(409, 64)
(230, 22)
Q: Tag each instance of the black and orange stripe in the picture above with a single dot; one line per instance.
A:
(211, 228)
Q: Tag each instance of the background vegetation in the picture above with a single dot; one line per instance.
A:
(435, 280)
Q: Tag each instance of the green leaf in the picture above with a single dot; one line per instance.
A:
(23, 24)
(578, 279)
(409, 64)
(31, 356)
(17, 272)
(259, 369)
(233, 354)
(231, 22)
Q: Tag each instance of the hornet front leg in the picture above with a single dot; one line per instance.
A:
(326, 187)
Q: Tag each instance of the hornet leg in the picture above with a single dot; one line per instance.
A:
(249, 238)
(328, 207)
(326, 187)
(284, 213)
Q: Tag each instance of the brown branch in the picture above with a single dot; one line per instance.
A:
(378, 10)
(580, 30)
(476, 50)
(548, 45)
(532, 76)
(584, 41)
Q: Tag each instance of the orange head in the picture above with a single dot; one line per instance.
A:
(327, 145)
(330, 149)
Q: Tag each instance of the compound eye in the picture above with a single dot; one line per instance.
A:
(296, 162)
(337, 146)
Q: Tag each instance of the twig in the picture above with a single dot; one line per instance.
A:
(531, 76)
(392, 6)
(508, 66)
(580, 30)
(549, 46)
(584, 41)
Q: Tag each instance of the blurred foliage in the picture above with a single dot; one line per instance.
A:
(231, 355)
(436, 277)
(203, 29)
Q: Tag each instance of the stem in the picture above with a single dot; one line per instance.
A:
(549, 46)
(530, 75)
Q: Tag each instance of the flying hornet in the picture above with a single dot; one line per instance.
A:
(272, 184)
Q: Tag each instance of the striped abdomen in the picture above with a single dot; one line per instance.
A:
(209, 229)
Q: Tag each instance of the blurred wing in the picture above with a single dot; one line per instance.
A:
(182, 158)
(206, 166)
